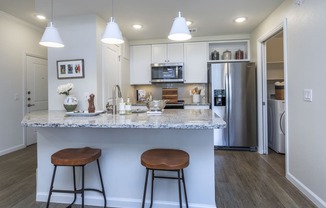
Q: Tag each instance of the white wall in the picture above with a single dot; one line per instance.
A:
(79, 34)
(17, 39)
(306, 70)
(82, 38)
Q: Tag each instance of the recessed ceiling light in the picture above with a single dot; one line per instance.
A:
(240, 19)
(137, 26)
(40, 17)
(188, 22)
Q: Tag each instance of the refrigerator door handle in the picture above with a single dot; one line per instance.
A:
(227, 101)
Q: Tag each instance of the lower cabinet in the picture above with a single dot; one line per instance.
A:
(195, 61)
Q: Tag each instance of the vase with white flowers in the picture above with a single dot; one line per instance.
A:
(70, 102)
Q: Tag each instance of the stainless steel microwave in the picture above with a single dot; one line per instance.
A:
(167, 72)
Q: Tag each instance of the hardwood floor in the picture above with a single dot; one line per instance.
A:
(243, 179)
(248, 179)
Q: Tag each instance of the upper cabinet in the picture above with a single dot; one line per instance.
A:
(162, 53)
(195, 56)
(140, 64)
(231, 46)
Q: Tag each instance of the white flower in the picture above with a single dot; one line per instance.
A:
(64, 89)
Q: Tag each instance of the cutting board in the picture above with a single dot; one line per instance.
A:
(170, 94)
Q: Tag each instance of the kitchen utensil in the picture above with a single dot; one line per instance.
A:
(227, 55)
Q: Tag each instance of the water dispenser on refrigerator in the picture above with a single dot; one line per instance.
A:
(219, 97)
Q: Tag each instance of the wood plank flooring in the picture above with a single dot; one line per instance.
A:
(243, 179)
(248, 179)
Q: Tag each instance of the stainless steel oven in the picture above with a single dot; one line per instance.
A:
(177, 105)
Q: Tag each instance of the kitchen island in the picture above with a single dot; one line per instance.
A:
(123, 138)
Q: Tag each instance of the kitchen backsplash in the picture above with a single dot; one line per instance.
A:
(183, 90)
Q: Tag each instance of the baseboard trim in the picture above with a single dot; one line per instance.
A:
(11, 149)
(112, 202)
(306, 191)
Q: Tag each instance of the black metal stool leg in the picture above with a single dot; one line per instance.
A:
(145, 187)
(179, 186)
(51, 186)
(152, 189)
(184, 187)
(103, 191)
(83, 186)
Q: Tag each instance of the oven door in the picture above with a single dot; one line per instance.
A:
(178, 105)
(167, 72)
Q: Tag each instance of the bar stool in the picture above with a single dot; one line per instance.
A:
(76, 157)
(165, 160)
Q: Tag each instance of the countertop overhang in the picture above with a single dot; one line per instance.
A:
(169, 119)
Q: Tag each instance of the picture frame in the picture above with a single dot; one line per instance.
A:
(70, 69)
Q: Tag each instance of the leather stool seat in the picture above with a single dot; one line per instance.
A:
(75, 156)
(165, 159)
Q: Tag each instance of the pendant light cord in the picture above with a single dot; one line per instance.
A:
(51, 10)
(112, 8)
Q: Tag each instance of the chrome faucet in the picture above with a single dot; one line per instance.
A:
(114, 94)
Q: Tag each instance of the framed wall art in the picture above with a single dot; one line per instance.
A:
(70, 69)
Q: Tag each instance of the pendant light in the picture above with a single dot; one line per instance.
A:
(179, 30)
(51, 37)
(112, 33)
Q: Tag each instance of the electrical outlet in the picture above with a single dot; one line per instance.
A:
(307, 95)
(16, 96)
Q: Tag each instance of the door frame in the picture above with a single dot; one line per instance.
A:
(25, 111)
(262, 88)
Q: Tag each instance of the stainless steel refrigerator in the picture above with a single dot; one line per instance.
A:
(232, 95)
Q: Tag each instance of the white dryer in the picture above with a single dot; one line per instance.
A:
(276, 125)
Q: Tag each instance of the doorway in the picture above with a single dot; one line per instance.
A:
(275, 93)
(36, 89)
(270, 72)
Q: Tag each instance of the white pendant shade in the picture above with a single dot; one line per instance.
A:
(179, 30)
(51, 37)
(112, 33)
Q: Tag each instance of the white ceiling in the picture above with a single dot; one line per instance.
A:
(210, 17)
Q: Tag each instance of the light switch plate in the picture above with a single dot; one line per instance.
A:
(307, 95)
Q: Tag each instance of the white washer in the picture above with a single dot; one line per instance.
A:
(276, 125)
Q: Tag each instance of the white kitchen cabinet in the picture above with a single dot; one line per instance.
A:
(233, 46)
(140, 64)
(164, 53)
(195, 62)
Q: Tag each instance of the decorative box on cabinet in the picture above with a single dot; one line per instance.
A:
(162, 53)
(140, 64)
(233, 46)
(195, 55)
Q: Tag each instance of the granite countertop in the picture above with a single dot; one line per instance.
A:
(169, 119)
